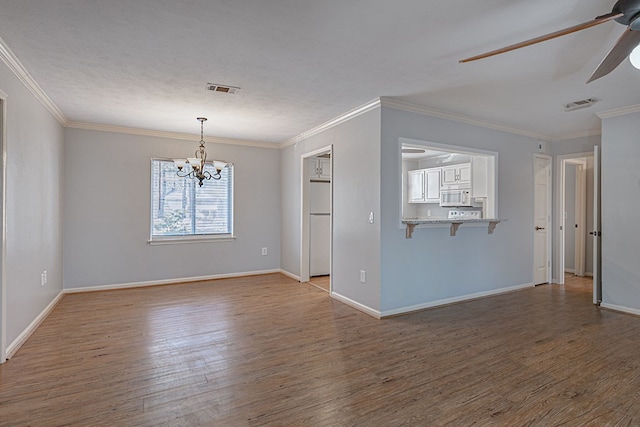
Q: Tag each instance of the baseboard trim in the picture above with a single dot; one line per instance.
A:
(569, 270)
(454, 300)
(291, 275)
(24, 336)
(368, 310)
(167, 281)
(621, 309)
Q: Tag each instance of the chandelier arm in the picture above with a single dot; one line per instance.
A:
(183, 174)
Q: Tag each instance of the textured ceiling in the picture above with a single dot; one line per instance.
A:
(144, 63)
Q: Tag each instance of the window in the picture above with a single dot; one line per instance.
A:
(181, 210)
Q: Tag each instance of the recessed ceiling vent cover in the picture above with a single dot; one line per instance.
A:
(577, 105)
(222, 88)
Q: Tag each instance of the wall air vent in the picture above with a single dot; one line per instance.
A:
(222, 88)
(577, 105)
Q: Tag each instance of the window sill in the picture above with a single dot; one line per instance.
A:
(178, 240)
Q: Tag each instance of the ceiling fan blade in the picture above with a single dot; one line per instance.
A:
(621, 50)
(597, 21)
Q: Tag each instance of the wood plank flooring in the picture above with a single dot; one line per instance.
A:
(322, 282)
(268, 351)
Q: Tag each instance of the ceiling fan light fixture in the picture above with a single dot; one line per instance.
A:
(634, 57)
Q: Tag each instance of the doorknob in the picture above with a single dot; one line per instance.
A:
(539, 228)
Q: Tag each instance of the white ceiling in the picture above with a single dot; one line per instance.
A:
(300, 63)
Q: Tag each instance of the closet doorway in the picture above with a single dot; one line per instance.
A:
(317, 210)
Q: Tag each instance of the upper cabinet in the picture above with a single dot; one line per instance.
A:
(456, 176)
(424, 186)
(320, 169)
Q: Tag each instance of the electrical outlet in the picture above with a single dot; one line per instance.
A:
(363, 276)
(264, 251)
(43, 278)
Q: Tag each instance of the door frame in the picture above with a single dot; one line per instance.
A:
(3, 231)
(597, 225)
(304, 211)
(549, 233)
(561, 164)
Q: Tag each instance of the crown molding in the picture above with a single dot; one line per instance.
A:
(576, 135)
(619, 112)
(14, 64)
(331, 123)
(427, 111)
(169, 135)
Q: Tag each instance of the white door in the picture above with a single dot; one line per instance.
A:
(542, 219)
(597, 240)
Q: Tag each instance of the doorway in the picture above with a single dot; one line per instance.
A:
(574, 218)
(316, 222)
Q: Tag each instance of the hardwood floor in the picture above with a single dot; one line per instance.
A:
(268, 351)
(322, 282)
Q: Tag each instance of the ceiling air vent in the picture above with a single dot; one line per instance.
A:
(221, 88)
(577, 105)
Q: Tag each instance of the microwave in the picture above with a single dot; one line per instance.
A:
(455, 198)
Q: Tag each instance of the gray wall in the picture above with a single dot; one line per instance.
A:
(432, 265)
(356, 192)
(107, 208)
(620, 202)
(34, 192)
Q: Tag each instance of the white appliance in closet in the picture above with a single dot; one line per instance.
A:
(319, 228)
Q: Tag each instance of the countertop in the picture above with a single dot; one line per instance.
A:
(453, 222)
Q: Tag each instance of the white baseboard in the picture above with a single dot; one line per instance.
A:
(291, 275)
(569, 270)
(167, 281)
(22, 338)
(370, 311)
(627, 310)
(447, 301)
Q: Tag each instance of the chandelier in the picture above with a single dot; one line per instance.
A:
(195, 170)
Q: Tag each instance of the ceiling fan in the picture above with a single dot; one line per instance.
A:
(626, 12)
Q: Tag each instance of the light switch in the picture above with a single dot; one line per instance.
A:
(370, 217)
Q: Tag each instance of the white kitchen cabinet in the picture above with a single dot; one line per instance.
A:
(416, 186)
(424, 186)
(320, 169)
(456, 176)
(432, 185)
